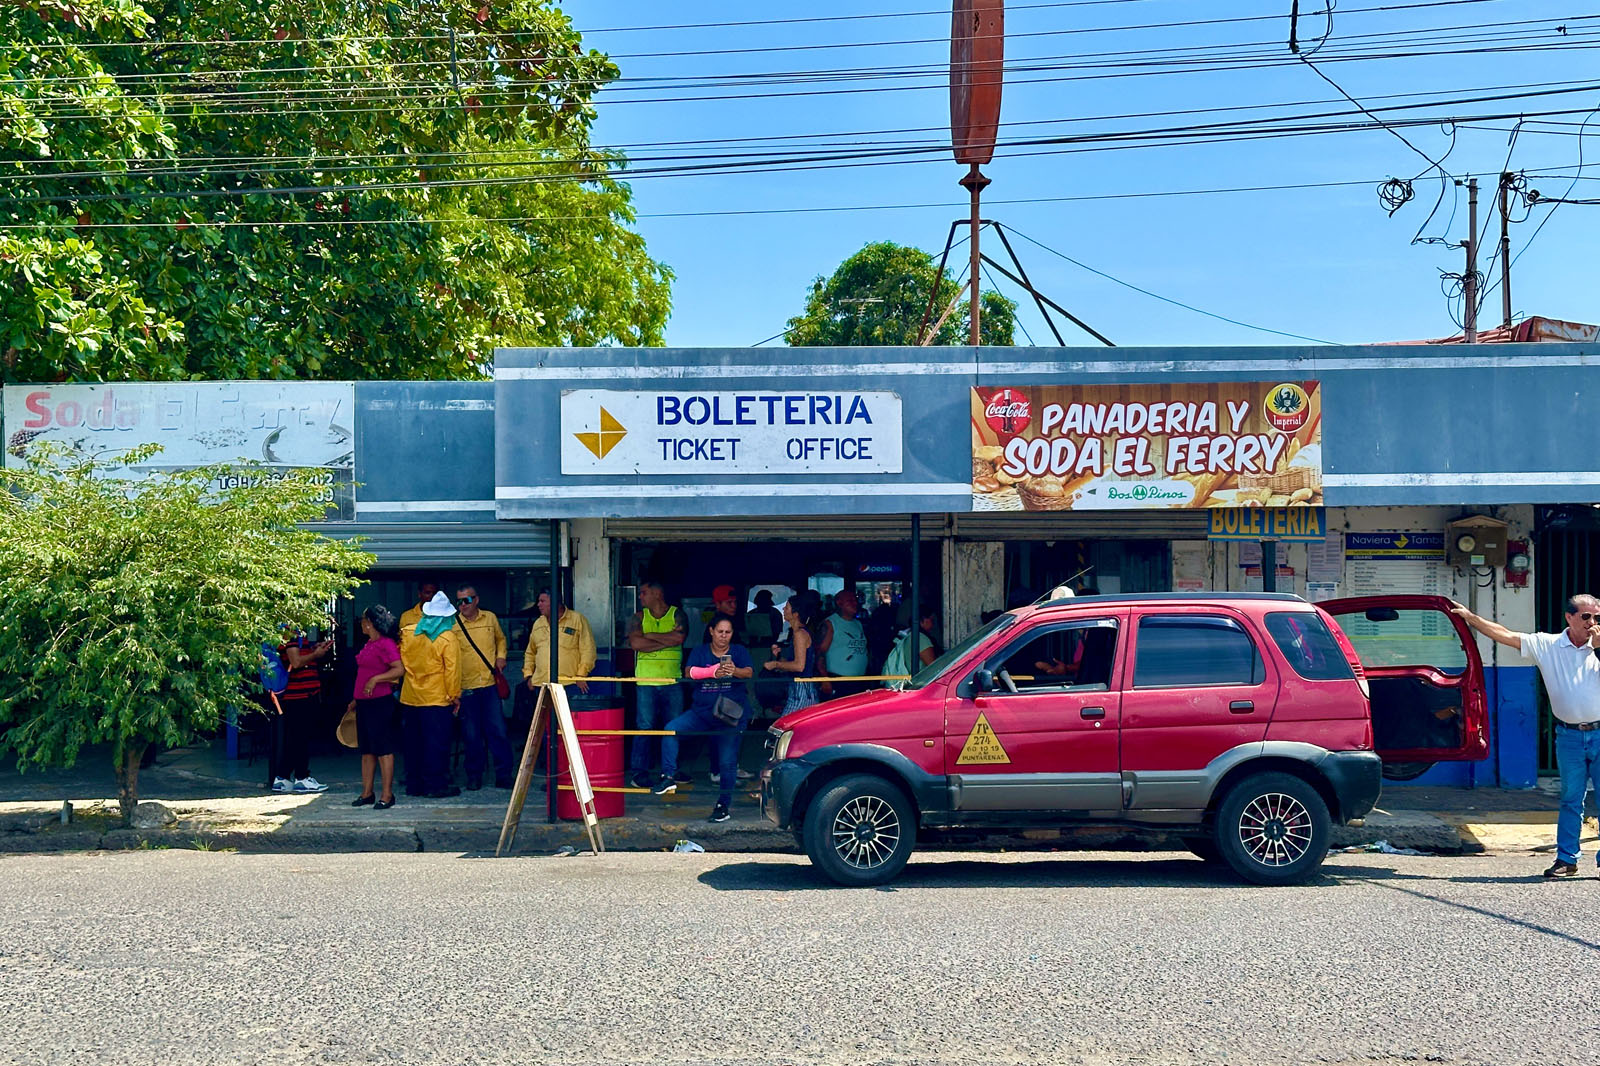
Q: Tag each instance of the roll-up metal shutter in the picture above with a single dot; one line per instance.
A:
(458, 545)
(768, 527)
(1084, 525)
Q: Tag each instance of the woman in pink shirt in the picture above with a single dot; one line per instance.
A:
(378, 670)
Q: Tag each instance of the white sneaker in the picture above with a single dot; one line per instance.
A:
(742, 775)
(745, 775)
(309, 784)
(282, 784)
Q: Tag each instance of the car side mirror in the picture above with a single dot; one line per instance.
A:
(983, 681)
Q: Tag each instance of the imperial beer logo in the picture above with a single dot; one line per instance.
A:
(1008, 411)
(1287, 407)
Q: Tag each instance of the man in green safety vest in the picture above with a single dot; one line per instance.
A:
(656, 636)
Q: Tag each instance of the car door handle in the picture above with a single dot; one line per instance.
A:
(1092, 712)
(1241, 707)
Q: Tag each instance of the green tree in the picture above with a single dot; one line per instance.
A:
(136, 617)
(308, 189)
(878, 296)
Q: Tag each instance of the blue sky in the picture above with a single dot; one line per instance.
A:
(1326, 263)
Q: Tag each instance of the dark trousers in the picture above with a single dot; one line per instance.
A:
(483, 726)
(429, 730)
(291, 736)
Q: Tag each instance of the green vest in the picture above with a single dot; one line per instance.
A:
(668, 662)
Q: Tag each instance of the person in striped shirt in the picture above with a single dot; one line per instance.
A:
(291, 755)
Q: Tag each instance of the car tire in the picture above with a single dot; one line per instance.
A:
(1205, 848)
(1273, 829)
(860, 830)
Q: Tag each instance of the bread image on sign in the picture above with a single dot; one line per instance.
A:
(1146, 446)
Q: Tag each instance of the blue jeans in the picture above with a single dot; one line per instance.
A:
(658, 705)
(483, 726)
(724, 747)
(1578, 759)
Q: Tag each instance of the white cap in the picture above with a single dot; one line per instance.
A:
(439, 607)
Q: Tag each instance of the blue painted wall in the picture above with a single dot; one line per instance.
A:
(1513, 760)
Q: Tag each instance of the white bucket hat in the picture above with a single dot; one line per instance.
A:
(439, 607)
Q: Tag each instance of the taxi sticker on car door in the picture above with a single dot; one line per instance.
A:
(982, 745)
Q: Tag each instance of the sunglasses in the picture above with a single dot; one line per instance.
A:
(466, 599)
(1587, 617)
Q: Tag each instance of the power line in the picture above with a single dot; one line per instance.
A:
(1164, 299)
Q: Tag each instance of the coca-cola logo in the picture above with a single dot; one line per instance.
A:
(1008, 411)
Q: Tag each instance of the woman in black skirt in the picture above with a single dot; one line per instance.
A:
(378, 672)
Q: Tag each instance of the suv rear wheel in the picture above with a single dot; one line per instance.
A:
(1273, 829)
(860, 830)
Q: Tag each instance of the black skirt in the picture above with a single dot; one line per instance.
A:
(377, 725)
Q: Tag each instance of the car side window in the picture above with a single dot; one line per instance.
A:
(1192, 650)
(1075, 657)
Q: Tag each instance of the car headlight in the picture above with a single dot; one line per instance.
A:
(780, 749)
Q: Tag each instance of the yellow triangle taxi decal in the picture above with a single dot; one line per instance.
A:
(982, 745)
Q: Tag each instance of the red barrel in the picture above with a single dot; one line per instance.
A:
(604, 759)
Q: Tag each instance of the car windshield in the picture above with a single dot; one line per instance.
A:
(939, 665)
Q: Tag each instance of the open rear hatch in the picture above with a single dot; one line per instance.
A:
(1429, 702)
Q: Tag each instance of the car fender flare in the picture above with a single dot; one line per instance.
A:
(929, 792)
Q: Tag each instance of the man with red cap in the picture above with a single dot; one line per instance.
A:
(725, 598)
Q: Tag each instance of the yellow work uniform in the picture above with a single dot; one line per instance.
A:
(577, 648)
(433, 668)
(491, 640)
(410, 618)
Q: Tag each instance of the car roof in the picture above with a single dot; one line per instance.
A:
(1198, 598)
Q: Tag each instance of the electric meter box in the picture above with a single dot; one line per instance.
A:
(1476, 540)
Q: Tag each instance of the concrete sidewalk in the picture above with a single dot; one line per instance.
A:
(220, 803)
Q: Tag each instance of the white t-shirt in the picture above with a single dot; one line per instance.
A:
(1571, 675)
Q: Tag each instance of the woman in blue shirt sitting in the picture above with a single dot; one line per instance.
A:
(720, 666)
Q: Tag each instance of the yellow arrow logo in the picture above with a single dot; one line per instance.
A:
(610, 435)
(1401, 541)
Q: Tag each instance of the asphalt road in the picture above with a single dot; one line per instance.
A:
(184, 957)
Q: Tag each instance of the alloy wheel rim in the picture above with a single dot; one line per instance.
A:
(866, 832)
(1275, 829)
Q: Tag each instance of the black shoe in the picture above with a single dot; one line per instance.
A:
(682, 778)
(445, 794)
(641, 779)
(474, 784)
(719, 813)
(1561, 868)
(363, 801)
(665, 786)
(382, 805)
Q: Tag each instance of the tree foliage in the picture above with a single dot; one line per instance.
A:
(878, 296)
(448, 197)
(134, 617)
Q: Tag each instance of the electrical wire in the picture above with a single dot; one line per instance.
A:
(1158, 296)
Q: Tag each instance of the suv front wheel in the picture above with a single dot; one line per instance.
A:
(1273, 829)
(860, 830)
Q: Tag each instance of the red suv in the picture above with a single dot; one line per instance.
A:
(1246, 723)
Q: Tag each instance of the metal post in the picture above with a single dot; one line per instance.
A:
(555, 667)
(1470, 312)
(974, 183)
(1505, 254)
(915, 595)
(1269, 566)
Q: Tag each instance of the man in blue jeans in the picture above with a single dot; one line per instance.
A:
(483, 722)
(721, 667)
(1571, 673)
(656, 635)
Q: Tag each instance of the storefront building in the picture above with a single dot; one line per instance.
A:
(1125, 470)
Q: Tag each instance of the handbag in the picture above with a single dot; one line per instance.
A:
(502, 687)
(727, 711)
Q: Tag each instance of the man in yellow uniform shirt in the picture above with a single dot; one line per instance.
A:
(577, 646)
(483, 723)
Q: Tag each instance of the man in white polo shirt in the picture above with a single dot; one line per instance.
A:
(1571, 673)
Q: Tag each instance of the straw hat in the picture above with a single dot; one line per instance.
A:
(347, 730)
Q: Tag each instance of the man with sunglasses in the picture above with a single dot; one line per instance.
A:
(483, 722)
(1571, 673)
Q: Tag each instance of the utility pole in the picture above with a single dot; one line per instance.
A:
(1470, 315)
(1505, 253)
(975, 182)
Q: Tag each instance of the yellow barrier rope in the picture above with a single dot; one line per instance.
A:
(774, 677)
